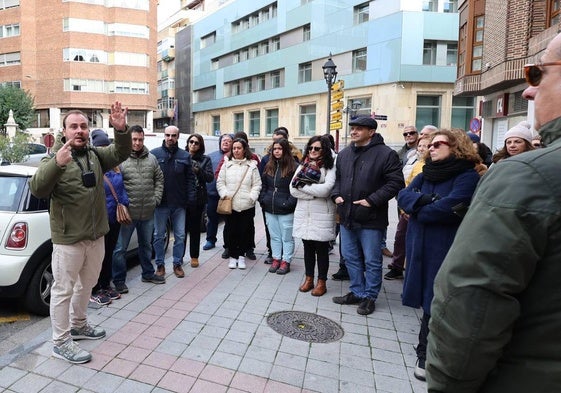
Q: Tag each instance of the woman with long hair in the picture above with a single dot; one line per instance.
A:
(314, 217)
(239, 179)
(435, 201)
(278, 204)
(517, 140)
(202, 169)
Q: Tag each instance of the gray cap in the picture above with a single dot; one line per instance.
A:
(365, 121)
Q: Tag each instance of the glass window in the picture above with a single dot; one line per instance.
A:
(304, 72)
(247, 86)
(429, 52)
(275, 79)
(359, 60)
(428, 111)
(307, 120)
(451, 6)
(451, 54)
(254, 123)
(208, 40)
(430, 6)
(463, 110)
(216, 124)
(238, 122)
(306, 32)
(361, 12)
(260, 82)
(554, 10)
(271, 121)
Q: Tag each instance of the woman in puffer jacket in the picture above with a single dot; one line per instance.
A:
(278, 204)
(314, 217)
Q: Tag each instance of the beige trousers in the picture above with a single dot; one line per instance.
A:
(76, 270)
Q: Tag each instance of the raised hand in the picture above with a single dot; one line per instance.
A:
(118, 116)
(64, 154)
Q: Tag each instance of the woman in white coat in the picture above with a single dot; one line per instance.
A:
(314, 217)
(239, 178)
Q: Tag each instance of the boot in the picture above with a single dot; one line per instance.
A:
(320, 288)
(308, 284)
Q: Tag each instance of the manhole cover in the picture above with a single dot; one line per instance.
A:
(305, 326)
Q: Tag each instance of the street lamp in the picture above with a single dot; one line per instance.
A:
(330, 75)
(355, 106)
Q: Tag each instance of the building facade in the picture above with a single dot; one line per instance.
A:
(81, 54)
(258, 65)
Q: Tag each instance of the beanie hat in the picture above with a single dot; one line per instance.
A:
(521, 130)
(100, 138)
(474, 137)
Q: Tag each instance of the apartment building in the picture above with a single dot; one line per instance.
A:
(81, 54)
(257, 65)
(496, 39)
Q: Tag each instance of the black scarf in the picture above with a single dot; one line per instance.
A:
(440, 171)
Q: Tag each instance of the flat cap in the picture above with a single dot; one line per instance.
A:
(365, 121)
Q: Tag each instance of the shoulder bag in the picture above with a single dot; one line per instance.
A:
(123, 215)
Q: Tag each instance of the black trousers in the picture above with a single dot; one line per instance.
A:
(316, 251)
(193, 216)
(239, 233)
(107, 264)
(423, 336)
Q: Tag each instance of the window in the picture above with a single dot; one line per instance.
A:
(477, 48)
(430, 6)
(247, 86)
(304, 72)
(236, 58)
(216, 124)
(359, 60)
(238, 122)
(451, 6)
(307, 120)
(14, 84)
(271, 121)
(255, 18)
(360, 106)
(8, 59)
(463, 110)
(275, 44)
(260, 82)
(451, 54)
(275, 79)
(208, 40)
(554, 8)
(214, 64)
(361, 13)
(8, 4)
(429, 52)
(253, 51)
(254, 123)
(264, 48)
(306, 32)
(9, 30)
(244, 54)
(428, 111)
(235, 88)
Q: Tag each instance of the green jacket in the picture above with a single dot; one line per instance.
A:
(496, 314)
(77, 212)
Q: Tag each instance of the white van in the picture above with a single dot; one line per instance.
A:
(155, 139)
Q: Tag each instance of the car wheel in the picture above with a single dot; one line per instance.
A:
(38, 295)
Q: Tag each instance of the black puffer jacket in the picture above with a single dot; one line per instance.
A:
(275, 195)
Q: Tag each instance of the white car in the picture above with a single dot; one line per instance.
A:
(25, 235)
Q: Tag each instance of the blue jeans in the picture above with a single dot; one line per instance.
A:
(363, 257)
(161, 217)
(144, 231)
(213, 218)
(280, 229)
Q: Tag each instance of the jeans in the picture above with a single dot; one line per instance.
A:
(144, 231)
(161, 217)
(363, 257)
(280, 229)
(213, 218)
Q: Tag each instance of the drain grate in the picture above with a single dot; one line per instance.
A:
(305, 326)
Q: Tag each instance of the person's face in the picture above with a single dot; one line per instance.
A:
(226, 144)
(315, 150)
(277, 137)
(546, 95)
(425, 132)
(238, 151)
(361, 135)
(137, 141)
(438, 148)
(515, 146)
(76, 129)
(277, 151)
(171, 136)
(422, 146)
(410, 136)
(194, 145)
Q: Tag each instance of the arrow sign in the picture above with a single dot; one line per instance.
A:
(335, 106)
(335, 126)
(336, 116)
(338, 85)
(337, 96)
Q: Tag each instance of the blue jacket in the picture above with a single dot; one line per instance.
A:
(116, 180)
(215, 158)
(179, 179)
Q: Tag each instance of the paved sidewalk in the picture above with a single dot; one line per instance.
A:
(208, 332)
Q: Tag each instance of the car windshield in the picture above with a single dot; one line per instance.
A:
(11, 189)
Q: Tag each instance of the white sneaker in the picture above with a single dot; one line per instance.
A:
(233, 263)
(241, 263)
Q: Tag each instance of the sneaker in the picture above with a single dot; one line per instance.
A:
(268, 260)
(226, 254)
(99, 297)
(394, 274)
(161, 271)
(155, 279)
(349, 298)
(112, 293)
(241, 263)
(87, 333)
(387, 253)
(233, 263)
(249, 254)
(284, 268)
(341, 275)
(71, 352)
(367, 306)
(208, 245)
(178, 270)
(274, 266)
(420, 373)
(121, 287)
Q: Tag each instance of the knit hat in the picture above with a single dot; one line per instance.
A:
(474, 137)
(100, 138)
(521, 130)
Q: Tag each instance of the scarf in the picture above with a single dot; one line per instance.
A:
(309, 173)
(440, 171)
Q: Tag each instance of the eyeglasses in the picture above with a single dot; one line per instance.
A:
(533, 72)
(437, 144)
(193, 142)
(314, 148)
(409, 133)
(170, 135)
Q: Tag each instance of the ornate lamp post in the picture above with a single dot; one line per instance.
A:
(330, 75)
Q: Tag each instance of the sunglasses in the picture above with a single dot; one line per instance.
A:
(314, 148)
(533, 72)
(437, 144)
(409, 133)
(537, 144)
(192, 142)
(170, 135)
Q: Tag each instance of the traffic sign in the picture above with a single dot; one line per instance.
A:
(335, 106)
(335, 126)
(336, 116)
(475, 124)
(338, 85)
(49, 140)
(336, 96)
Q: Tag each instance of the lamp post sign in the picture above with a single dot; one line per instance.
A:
(337, 104)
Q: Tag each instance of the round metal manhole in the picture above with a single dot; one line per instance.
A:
(305, 326)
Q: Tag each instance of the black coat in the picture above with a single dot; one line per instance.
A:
(275, 197)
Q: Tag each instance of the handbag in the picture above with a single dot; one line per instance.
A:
(225, 203)
(123, 215)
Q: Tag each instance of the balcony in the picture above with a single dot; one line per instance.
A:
(495, 78)
(168, 54)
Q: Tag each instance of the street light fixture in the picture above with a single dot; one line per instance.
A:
(330, 75)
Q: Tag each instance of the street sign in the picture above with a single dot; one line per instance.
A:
(380, 117)
(338, 85)
(335, 106)
(49, 140)
(336, 116)
(475, 124)
(336, 96)
(335, 126)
